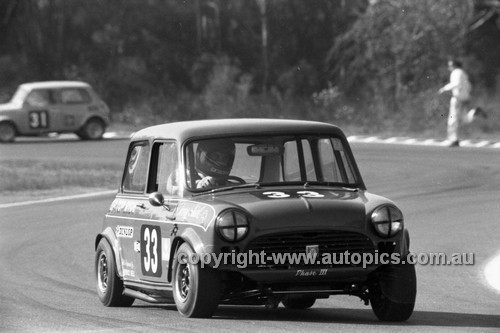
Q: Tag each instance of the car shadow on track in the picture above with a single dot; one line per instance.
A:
(357, 316)
(351, 316)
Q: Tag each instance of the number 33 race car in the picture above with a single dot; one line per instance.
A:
(250, 211)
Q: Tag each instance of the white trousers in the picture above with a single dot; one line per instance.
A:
(457, 115)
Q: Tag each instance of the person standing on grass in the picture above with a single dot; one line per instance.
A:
(460, 88)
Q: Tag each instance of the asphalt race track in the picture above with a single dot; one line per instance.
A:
(451, 201)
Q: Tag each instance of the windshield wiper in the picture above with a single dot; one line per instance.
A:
(339, 186)
(227, 188)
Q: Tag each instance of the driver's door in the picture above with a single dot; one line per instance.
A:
(146, 254)
(38, 112)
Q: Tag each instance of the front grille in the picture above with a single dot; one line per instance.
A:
(331, 242)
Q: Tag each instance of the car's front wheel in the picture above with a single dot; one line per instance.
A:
(109, 285)
(196, 290)
(92, 130)
(7, 132)
(392, 292)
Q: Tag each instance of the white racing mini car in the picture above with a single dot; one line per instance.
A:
(39, 108)
(250, 211)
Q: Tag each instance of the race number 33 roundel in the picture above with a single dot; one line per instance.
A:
(151, 250)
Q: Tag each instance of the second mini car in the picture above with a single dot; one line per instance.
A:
(39, 108)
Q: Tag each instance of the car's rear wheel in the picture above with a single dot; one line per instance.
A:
(7, 132)
(392, 292)
(298, 302)
(196, 290)
(92, 130)
(109, 285)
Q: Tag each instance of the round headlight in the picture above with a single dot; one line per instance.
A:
(387, 220)
(232, 225)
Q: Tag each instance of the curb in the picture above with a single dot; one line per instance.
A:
(422, 142)
(376, 139)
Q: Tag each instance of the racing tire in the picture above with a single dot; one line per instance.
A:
(92, 130)
(393, 292)
(298, 302)
(109, 285)
(7, 132)
(196, 290)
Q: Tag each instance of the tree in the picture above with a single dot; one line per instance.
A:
(132, 49)
(40, 30)
(397, 45)
(483, 44)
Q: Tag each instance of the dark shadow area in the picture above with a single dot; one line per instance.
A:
(348, 316)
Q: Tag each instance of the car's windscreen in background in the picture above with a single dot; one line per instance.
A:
(19, 96)
(269, 159)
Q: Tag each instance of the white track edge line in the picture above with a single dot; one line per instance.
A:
(69, 197)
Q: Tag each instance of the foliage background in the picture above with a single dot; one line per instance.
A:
(370, 65)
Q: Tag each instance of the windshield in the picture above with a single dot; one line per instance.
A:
(19, 96)
(276, 160)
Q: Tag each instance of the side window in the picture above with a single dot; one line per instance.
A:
(328, 164)
(347, 166)
(73, 96)
(136, 170)
(38, 98)
(334, 163)
(167, 177)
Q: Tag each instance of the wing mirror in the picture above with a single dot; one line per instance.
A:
(156, 199)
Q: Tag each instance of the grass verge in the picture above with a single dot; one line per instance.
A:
(32, 179)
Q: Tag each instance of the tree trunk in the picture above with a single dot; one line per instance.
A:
(264, 33)
(197, 9)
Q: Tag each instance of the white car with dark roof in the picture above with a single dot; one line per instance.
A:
(39, 108)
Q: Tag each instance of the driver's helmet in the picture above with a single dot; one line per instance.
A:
(215, 157)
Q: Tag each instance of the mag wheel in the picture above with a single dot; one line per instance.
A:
(392, 292)
(109, 285)
(196, 290)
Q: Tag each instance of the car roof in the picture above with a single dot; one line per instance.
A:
(182, 131)
(54, 84)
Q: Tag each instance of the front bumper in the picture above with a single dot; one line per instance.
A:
(306, 274)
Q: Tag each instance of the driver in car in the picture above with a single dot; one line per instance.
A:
(214, 160)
